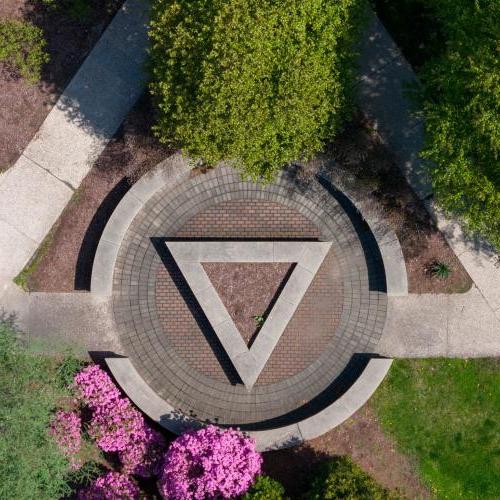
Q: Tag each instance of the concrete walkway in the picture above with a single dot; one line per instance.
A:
(35, 190)
(429, 325)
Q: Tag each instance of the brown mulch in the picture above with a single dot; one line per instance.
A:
(360, 152)
(67, 264)
(247, 290)
(359, 437)
(23, 106)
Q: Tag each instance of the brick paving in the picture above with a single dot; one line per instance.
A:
(171, 343)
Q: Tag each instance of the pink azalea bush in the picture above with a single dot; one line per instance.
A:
(94, 387)
(209, 463)
(143, 457)
(116, 426)
(65, 428)
(111, 486)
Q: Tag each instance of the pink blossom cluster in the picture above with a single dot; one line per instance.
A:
(116, 425)
(66, 427)
(111, 486)
(209, 463)
(95, 388)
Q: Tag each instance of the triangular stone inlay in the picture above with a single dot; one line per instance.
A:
(308, 257)
(248, 291)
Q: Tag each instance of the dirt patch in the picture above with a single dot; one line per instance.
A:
(70, 37)
(248, 290)
(359, 437)
(360, 152)
(67, 263)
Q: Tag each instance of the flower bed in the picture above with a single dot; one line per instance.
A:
(208, 463)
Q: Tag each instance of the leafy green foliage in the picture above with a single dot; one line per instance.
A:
(31, 466)
(445, 413)
(457, 54)
(462, 110)
(68, 368)
(341, 478)
(22, 47)
(440, 270)
(265, 488)
(260, 83)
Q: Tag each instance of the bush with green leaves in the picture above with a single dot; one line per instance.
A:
(265, 488)
(461, 90)
(259, 83)
(22, 47)
(31, 465)
(341, 478)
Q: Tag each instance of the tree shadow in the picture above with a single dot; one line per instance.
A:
(294, 467)
(70, 34)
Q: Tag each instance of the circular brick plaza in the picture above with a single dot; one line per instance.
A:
(170, 341)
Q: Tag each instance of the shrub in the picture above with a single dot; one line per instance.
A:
(66, 427)
(342, 479)
(265, 488)
(116, 426)
(22, 47)
(259, 82)
(111, 486)
(209, 463)
(31, 465)
(462, 111)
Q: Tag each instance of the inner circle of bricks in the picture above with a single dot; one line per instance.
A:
(171, 343)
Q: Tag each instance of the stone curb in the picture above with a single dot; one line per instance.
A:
(171, 170)
(387, 241)
(162, 412)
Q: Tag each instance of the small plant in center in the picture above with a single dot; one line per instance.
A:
(440, 270)
(259, 320)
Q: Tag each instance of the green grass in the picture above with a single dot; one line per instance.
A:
(446, 413)
(31, 387)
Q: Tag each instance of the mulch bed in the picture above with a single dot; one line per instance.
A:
(23, 107)
(247, 290)
(360, 152)
(67, 263)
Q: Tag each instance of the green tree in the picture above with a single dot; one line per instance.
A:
(260, 83)
(461, 90)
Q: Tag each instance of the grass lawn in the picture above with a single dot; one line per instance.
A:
(446, 413)
(31, 388)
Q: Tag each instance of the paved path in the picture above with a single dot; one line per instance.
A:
(37, 188)
(429, 325)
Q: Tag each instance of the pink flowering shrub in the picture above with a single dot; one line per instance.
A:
(95, 388)
(116, 426)
(209, 463)
(66, 428)
(111, 486)
(143, 457)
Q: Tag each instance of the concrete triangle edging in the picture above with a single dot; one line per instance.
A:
(308, 257)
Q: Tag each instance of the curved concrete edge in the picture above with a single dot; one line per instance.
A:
(333, 415)
(172, 170)
(387, 241)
